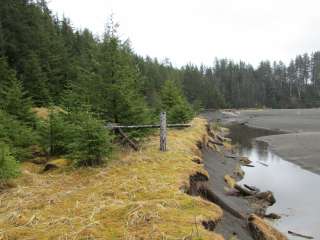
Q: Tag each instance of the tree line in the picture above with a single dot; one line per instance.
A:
(87, 81)
(50, 57)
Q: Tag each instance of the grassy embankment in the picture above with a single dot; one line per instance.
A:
(136, 196)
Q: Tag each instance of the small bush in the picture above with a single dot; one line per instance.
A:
(13, 98)
(180, 113)
(175, 104)
(53, 132)
(91, 142)
(9, 168)
(77, 134)
(17, 135)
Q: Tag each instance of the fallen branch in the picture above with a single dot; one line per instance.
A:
(252, 188)
(125, 137)
(215, 142)
(230, 156)
(220, 138)
(243, 191)
(300, 235)
(267, 196)
(248, 165)
(264, 164)
(272, 216)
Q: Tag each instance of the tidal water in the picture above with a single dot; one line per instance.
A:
(296, 190)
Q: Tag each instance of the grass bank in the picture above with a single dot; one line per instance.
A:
(137, 196)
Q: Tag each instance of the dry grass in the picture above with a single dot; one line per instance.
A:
(136, 197)
(43, 113)
(262, 230)
(231, 182)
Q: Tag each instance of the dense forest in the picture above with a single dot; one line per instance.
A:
(46, 62)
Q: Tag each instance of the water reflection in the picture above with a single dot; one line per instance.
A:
(296, 190)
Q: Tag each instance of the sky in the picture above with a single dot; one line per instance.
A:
(198, 31)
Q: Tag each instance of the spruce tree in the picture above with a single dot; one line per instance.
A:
(13, 98)
(2, 42)
(90, 142)
(120, 94)
(35, 80)
(17, 135)
(174, 103)
(9, 167)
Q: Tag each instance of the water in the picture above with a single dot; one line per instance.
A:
(296, 190)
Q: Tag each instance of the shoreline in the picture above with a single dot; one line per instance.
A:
(299, 132)
(237, 209)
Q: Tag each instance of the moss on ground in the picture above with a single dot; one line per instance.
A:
(136, 197)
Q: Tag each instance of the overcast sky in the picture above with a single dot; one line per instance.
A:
(197, 31)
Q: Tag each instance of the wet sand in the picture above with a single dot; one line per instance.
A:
(218, 166)
(300, 145)
(299, 142)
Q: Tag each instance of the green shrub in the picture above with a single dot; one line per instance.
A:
(180, 113)
(91, 141)
(175, 104)
(13, 98)
(53, 132)
(9, 168)
(17, 135)
(78, 135)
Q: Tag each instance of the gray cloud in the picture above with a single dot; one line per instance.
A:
(198, 31)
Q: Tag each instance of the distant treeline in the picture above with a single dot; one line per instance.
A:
(58, 64)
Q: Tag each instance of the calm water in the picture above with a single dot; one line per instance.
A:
(296, 190)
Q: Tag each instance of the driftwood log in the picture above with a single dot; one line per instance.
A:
(267, 196)
(252, 188)
(300, 235)
(243, 191)
(264, 164)
(215, 142)
(272, 216)
(230, 156)
(248, 165)
(220, 138)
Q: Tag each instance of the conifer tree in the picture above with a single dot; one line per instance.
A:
(17, 136)
(2, 42)
(13, 98)
(174, 103)
(120, 95)
(90, 142)
(9, 167)
(35, 80)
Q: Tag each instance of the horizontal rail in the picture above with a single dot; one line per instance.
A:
(111, 126)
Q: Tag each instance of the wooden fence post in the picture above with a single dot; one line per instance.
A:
(163, 132)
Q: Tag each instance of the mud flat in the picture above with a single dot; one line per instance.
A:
(301, 143)
(300, 148)
(292, 137)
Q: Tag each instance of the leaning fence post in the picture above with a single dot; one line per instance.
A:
(163, 132)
